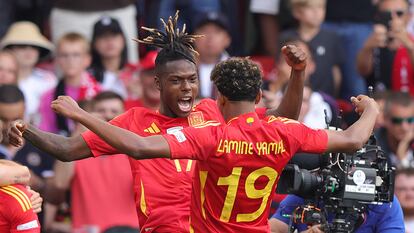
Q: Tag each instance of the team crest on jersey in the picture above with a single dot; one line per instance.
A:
(195, 118)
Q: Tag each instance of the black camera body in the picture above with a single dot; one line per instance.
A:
(345, 183)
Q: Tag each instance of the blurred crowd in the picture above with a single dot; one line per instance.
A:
(87, 50)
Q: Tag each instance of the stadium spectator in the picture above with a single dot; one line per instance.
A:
(29, 46)
(79, 16)
(404, 190)
(214, 27)
(246, 151)
(387, 57)
(395, 138)
(109, 55)
(352, 21)
(142, 87)
(8, 68)
(73, 58)
(12, 106)
(325, 46)
(162, 187)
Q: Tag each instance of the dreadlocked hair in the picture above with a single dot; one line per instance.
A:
(174, 44)
(238, 79)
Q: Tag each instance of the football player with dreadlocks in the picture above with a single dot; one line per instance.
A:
(162, 186)
(238, 162)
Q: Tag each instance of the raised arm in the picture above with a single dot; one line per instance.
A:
(355, 136)
(292, 99)
(60, 147)
(365, 58)
(13, 173)
(123, 140)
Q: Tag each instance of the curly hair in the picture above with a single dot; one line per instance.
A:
(175, 44)
(238, 79)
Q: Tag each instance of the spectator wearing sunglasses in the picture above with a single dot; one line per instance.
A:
(396, 137)
(386, 59)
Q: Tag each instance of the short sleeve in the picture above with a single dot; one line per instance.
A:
(286, 208)
(97, 145)
(192, 143)
(304, 139)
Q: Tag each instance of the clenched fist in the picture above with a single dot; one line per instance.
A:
(67, 107)
(295, 57)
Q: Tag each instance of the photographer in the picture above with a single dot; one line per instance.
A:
(385, 218)
(386, 59)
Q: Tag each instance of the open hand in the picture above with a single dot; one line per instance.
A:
(36, 200)
(295, 57)
(67, 107)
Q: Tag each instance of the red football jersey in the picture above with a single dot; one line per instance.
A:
(16, 213)
(162, 186)
(238, 168)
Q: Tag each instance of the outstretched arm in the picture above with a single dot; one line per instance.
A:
(292, 99)
(355, 136)
(62, 148)
(123, 140)
(13, 173)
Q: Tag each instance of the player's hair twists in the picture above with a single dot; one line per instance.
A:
(175, 44)
(238, 79)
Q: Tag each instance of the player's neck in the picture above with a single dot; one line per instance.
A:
(236, 108)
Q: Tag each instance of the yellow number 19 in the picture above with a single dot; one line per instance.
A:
(233, 182)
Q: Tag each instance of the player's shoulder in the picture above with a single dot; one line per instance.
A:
(16, 197)
(279, 120)
(206, 124)
(140, 113)
(206, 104)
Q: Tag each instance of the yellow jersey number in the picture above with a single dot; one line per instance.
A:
(232, 181)
(178, 165)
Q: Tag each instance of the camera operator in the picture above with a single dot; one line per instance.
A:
(386, 59)
(385, 218)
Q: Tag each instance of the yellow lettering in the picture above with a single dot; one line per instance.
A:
(281, 147)
(250, 148)
(220, 148)
(247, 148)
(272, 148)
(258, 147)
(233, 146)
(225, 146)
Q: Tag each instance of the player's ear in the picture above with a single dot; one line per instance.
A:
(258, 97)
(157, 82)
